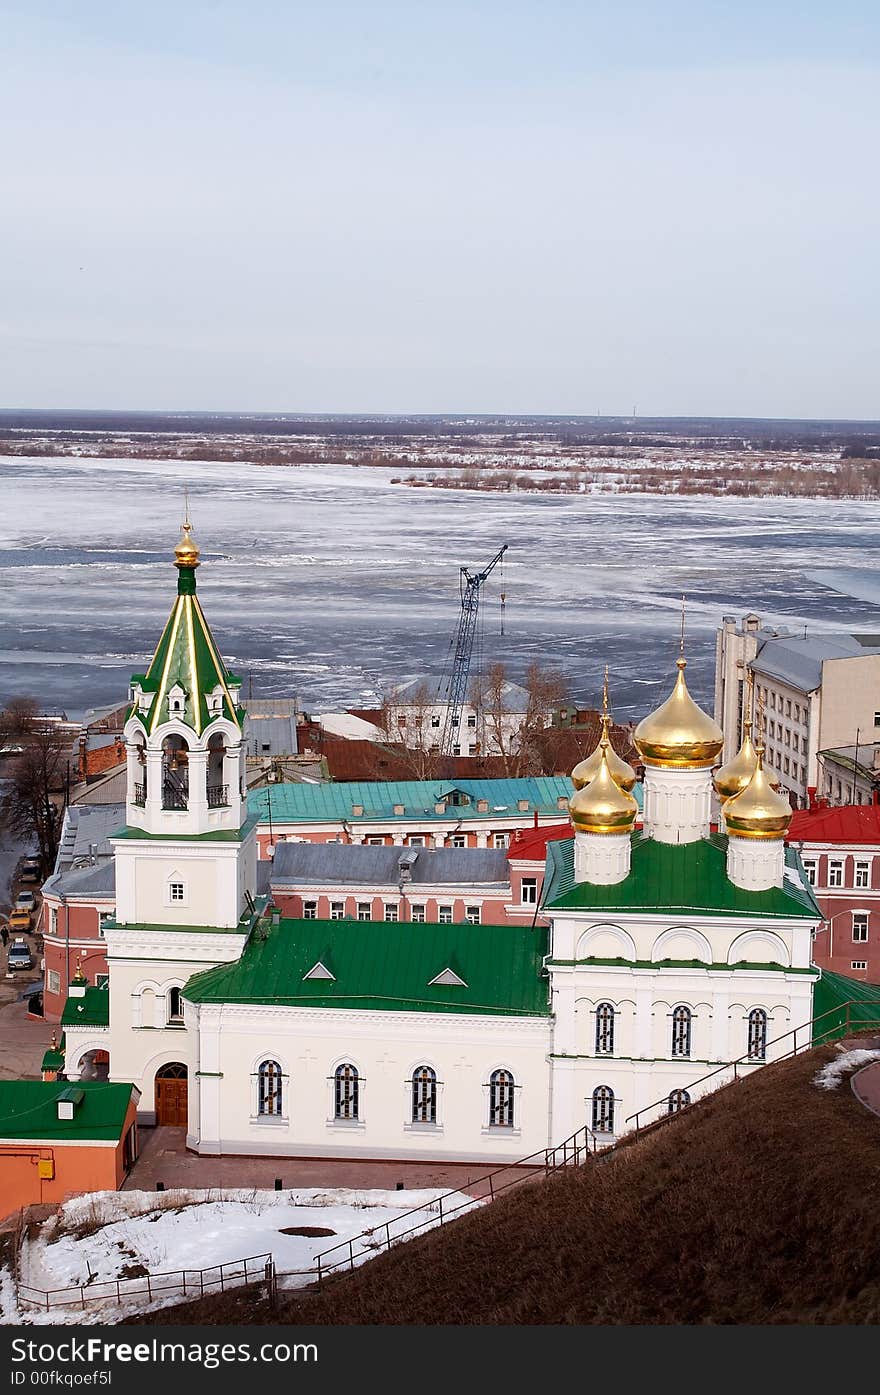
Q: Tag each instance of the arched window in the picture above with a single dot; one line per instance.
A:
(678, 1099)
(501, 1088)
(681, 1032)
(424, 1095)
(270, 1089)
(757, 1034)
(346, 1092)
(604, 1030)
(603, 1109)
(175, 1006)
(175, 773)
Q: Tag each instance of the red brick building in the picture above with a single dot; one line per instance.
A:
(840, 850)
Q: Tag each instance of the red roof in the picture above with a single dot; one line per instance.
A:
(846, 824)
(530, 844)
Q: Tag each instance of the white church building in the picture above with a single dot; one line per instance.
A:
(671, 949)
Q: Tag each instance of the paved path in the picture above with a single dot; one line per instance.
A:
(164, 1158)
(23, 1039)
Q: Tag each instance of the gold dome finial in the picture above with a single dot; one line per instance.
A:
(186, 553)
(758, 811)
(733, 777)
(79, 976)
(586, 770)
(679, 735)
(602, 806)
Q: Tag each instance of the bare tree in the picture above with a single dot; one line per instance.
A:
(510, 717)
(406, 723)
(40, 753)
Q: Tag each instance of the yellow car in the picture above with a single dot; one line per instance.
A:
(20, 919)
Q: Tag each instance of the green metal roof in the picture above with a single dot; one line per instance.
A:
(679, 879)
(29, 1109)
(219, 835)
(92, 1010)
(187, 655)
(831, 994)
(54, 1059)
(306, 803)
(385, 967)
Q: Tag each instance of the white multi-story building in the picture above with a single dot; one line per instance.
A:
(818, 691)
(665, 953)
(491, 727)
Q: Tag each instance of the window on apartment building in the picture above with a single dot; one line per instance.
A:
(860, 926)
(391, 911)
(877, 719)
(810, 870)
(501, 840)
(416, 840)
(458, 840)
(365, 910)
(456, 750)
(417, 913)
(863, 874)
(53, 921)
(444, 915)
(375, 840)
(472, 915)
(435, 721)
(472, 719)
(795, 743)
(176, 891)
(773, 701)
(757, 1040)
(53, 981)
(786, 765)
(788, 707)
(858, 964)
(310, 910)
(337, 910)
(787, 736)
(604, 1030)
(797, 711)
(456, 721)
(681, 1031)
(835, 874)
(529, 891)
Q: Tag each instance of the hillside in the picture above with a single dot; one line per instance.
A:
(758, 1205)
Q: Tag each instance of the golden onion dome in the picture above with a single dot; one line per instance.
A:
(733, 777)
(679, 735)
(186, 553)
(586, 770)
(758, 811)
(602, 806)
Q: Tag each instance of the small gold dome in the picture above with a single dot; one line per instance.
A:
(186, 553)
(586, 770)
(733, 777)
(679, 735)
(758, 811)
(602, 806)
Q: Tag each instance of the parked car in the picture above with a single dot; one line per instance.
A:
(30, 873)
(25, 901)
(20, 919)
(18, 956)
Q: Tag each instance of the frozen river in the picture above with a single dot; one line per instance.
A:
(329, 581)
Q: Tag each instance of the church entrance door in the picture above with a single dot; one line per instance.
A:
(171, 1083)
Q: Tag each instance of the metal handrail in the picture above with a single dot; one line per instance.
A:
(753, 1061)
(151, 1285)
(568, 1153)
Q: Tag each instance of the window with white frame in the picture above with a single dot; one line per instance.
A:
(528, 894)
(863, 874)
(270, 1090)
(53, 920)
(53, 981)
(416, 840)
(458, 840)
(603, 1109)
(472, 914)
(444, 915)
(681, 1031)
(860, 926)
(365, 910)
(337, 910)
(176, 891)
(835, 873)
(310, 910)
(174, 1008)
(346, 1093)
(859, 964)
(424, 1095)
(417, 912)
(501, 1091)
(757, 1039)
(501, 840)
(604, 1030)
(375, 840)
(391, 911)
(810, 870)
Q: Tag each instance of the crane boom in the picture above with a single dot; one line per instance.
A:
(469, 589)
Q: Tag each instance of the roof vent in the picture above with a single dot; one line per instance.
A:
(447, 979)
(69, 1101)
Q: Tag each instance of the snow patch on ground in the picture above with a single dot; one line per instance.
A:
(838, 1070)
(99, 1238)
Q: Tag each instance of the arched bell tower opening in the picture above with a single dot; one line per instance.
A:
(175, 772)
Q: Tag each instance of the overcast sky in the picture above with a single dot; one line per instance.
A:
(430, 206)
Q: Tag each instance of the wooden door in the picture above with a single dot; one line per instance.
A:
(171, 1102)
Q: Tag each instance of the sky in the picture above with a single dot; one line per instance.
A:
(540, 206)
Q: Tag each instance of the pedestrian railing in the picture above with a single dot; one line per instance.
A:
(184, 1283)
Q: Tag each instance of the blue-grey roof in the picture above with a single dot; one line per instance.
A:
(99, 881)
(271, 736)
(87, 826)
(334, 801)
(359, 864)
(798, 661)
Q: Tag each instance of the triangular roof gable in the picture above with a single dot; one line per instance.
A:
(448, 978)
(320, 970)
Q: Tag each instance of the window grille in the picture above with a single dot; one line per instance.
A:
(757, 1047)
(501, 1088)
(604, 1029)
(678, 1099)
(424, 1095)
(269, 1088)
(175, 891)
(681, 1031)
(603, 1109)
(346, 1092)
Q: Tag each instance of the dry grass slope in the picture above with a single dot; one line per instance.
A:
(759, 1205)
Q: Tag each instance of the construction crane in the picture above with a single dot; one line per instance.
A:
(469, 587)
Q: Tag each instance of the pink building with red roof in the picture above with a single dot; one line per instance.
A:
(840, 850)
